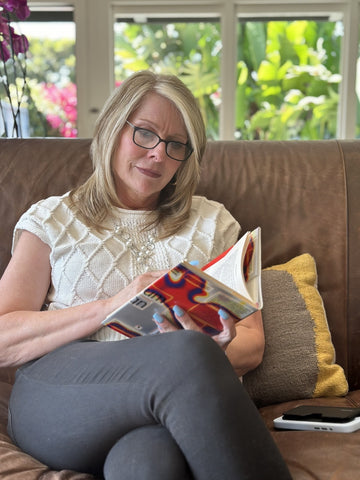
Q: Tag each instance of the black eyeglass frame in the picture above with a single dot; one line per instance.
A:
(160, 140)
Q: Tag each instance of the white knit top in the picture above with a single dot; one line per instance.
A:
(87, 265)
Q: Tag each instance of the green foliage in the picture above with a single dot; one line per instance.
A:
(287, 72)
(189, 50)
(287, 83)
(291, 87)
(51, 61)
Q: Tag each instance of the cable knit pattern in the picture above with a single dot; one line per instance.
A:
(88, 265)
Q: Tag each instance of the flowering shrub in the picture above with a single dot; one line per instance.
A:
(61, 109)
(13, 48)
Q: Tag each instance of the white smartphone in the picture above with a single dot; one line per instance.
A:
(320, 419)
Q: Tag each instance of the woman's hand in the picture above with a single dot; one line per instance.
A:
(222, 339)
(127, 293)
(229, 331)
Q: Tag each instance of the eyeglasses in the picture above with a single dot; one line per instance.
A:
(147, 139)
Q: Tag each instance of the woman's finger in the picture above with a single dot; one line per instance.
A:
(229, 331)
(184, 319)
(163, 324)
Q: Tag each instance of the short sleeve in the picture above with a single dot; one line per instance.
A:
(217, 230)
(227, 231)
(36, 220)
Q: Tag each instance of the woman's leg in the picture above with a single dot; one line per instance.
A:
(78, 401)
(146, 453)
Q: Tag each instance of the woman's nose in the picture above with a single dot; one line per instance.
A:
(159, 152)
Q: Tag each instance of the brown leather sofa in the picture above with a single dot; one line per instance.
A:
(306, 198)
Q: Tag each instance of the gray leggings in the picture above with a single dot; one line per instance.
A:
(163, 407)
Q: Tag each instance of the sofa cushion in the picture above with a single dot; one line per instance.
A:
(317, 455)
(299, 358)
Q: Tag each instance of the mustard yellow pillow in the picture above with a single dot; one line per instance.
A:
(299, 358)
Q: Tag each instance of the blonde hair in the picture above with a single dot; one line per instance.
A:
(95, 199)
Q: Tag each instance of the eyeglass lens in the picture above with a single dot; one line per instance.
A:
(147, 139)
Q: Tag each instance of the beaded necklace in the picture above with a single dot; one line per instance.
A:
(141, 254)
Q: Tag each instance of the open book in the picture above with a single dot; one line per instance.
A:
(232, 281)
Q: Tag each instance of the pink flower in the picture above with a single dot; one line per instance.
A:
(12, 43)
(20, 43)
(64, 120)
(4, 51)
(54, 120)
(68, 131)
(17, 44)
(3, 24)
(19, 7)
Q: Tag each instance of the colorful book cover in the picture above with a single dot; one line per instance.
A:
(192, 289)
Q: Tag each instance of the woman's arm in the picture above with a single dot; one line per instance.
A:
(25, 331)
(246, 350)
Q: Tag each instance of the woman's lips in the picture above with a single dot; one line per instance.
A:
(149, 173)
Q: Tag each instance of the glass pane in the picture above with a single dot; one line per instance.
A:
(51, 78)
(288, 79)
(190, 50)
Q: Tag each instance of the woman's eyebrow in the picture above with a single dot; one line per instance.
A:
(150, 125)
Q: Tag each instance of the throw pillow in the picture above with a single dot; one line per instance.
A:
(299, 358)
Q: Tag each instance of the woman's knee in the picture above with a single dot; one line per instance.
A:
(190, 346)
(187, 349)
(146, 453)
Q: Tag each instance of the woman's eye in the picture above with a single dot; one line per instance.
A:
(177, 146)
(146, 134)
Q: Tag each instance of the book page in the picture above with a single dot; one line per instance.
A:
(229, 270)
(254, 270)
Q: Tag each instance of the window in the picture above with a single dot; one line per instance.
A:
(238, 98)
(51, 72)
(288, 77)
(189, 48)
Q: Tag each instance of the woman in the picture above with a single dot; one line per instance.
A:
(167, 406)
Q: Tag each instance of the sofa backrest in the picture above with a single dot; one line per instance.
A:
(305, 195)
(32, 169)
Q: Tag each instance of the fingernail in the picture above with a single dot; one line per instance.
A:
(194, 262)
(178, 310)
(223, 314)
(158, 318)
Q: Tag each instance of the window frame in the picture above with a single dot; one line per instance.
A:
(94, 48)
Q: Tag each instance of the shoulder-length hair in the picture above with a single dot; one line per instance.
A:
(95, 199)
